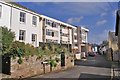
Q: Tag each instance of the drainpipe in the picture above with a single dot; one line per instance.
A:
(11, 17)
(79, 40)
(68, 40)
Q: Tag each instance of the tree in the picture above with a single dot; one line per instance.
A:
(6, 38)
(105, 42)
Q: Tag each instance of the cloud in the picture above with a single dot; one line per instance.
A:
(103, 14)
(75, 20)
(84, 8)
(101, 22)
(87, 8)
(93, 38)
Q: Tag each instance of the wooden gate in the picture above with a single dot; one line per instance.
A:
(62, 59)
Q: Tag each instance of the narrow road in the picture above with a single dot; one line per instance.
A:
(93, 67)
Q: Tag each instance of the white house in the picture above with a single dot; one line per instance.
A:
(24, 22)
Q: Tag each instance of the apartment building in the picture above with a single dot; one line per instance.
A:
(33, 28)
(56, 31)
(80, 42)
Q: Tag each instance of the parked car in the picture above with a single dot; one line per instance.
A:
(92, 54)
(95, 53)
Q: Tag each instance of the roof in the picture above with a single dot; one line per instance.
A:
(18, 5)
(83, 28)
(117, 22)
(63, 23)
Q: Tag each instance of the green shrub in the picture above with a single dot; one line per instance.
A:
(39, 56)
(17, 49)
(47, 60)
(67, 57)
(52, 62)
(20, 61)
(71, 55)
(57, 59)
(72, 60)
(6, 38)
(55, 64)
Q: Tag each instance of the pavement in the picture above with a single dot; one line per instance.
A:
(115, 70)
(90, 68)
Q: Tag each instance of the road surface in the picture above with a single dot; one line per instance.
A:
(93, 67)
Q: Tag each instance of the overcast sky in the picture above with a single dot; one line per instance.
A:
(98, 17)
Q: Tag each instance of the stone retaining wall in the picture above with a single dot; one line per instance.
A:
(34, 66)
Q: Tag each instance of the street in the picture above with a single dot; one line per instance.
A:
(93, 67)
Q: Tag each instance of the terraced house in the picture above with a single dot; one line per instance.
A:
(34, 28)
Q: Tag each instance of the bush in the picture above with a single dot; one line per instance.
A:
(48, 60)
(52, 62)
(7, 39)
(55, 64)
(19, 49)
(72, 60)
(67, 57)
(39, 56)
(20, 61)
(57, 59)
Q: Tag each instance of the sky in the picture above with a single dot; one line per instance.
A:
(98, 17)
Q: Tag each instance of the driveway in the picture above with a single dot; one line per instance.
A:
(93, 67)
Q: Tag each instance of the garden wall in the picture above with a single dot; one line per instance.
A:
(34, 66)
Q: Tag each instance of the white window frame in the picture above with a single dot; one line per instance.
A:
(22, 17)
(22, 36)
(34, 20)
(34, 38)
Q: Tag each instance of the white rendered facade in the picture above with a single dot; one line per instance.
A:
(5, 14)
(61, 33)
(33, 28)
(10, 18)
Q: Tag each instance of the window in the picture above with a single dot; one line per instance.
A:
(53, 24)
(48, 32)
(76, 44)
(55, 41)
(34, 20)
(83, 37)
(0, 11)
(22, 17)
(46, 21)
(56, 33)
(52, 34)
(75, 37)
(34, 37)
(22, 35)
(75, 30)
(82, 31)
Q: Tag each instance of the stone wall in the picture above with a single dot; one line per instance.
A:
(69, 60)
(34, 66)
(108, 54)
